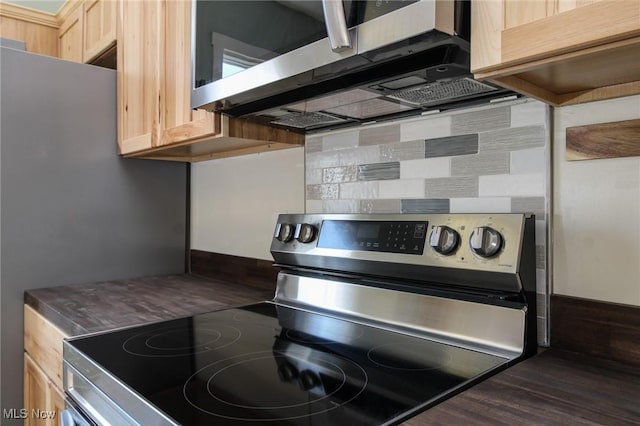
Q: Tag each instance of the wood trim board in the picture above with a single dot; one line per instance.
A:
(596, 328)
(605, 140)
(257, 273)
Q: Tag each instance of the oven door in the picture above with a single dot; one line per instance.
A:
(248, 50)
(72, 415)
(86, 404)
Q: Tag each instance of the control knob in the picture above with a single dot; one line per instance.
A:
(444, 240)
(485, 241)
(284, 232)
(305, 233)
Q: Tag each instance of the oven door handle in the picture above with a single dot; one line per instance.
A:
(74, 416)
(336, 25)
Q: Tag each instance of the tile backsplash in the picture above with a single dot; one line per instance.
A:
(485, 159)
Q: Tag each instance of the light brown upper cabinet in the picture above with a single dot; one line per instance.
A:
(155, 119)
(88, 31)
(560, 51)
(100, 26)
(70, 36)
(154, 66)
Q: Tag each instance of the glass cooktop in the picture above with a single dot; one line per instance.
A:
(270, 364)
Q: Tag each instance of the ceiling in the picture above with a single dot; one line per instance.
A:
(50, 6)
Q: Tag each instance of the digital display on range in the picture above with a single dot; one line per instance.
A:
(383, 236)
(368, 231)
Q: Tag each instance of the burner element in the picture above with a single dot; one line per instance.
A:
(416, 356)
(180, 340)
(303, 384)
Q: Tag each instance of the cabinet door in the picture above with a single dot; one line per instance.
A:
(43, 400)
(55, 403)
(35, 392)
(559, 51)
(140, 74)
(70, 36)
(508, 32)
(43, 342)
(99, 27)
(177, 78)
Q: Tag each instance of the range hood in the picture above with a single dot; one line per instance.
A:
(405, 62)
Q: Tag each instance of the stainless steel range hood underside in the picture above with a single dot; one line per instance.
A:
(422, 72)
(407, 83)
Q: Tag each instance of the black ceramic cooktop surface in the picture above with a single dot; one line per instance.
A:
(269, 364)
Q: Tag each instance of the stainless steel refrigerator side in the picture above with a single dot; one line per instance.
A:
(73, 211)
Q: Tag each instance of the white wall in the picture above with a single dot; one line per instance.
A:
(235, 201)
(597, 212)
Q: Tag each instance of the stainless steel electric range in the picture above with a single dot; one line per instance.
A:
(375, 318)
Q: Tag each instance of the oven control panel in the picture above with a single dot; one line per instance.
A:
(486, 242)
(406, 237)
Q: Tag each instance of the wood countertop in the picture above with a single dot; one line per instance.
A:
(88, 308)
(555, 387)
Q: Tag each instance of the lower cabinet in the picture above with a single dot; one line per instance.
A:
(56, 402)
(43, 394)
(43, 400)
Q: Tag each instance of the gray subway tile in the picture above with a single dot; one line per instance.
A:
(322, 192)
(412, 150)
(379, 171)
(528, 113)
(452, 145)
(343, 157)
(319, 160)
(379, 135)
(543, 339)
(359, 155)
(486, 163)
(380, 206)
(359, 190)
(425, 206)
(541, 299)
(513, 139)
(312, 144)
(313, 176)
(541, 257)
(481, 121)
(341, 206)
(339, 174)
(338, 141)
(535, 205)
(451, 187)
(313, 206)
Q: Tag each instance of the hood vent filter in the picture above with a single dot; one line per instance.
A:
(442, 90)
(308, 120)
